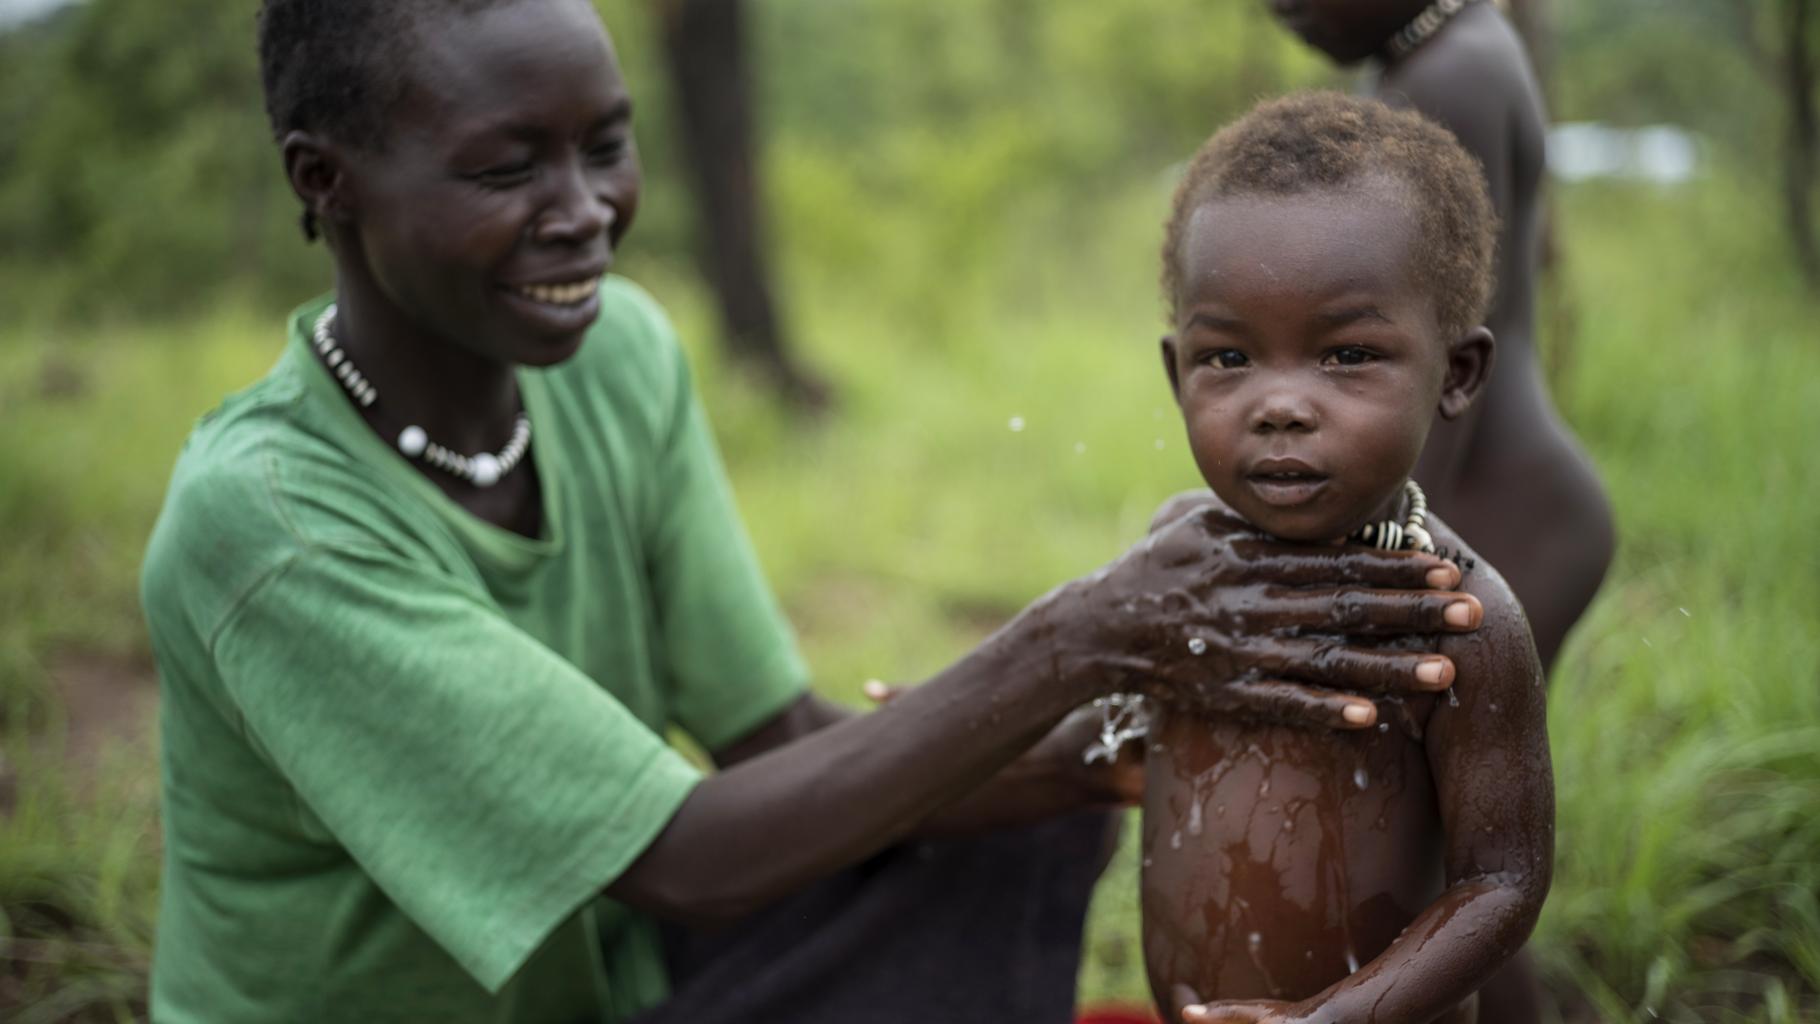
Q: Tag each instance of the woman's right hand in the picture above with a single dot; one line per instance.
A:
(1206, 610)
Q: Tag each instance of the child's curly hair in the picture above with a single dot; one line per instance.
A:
(1328, 140)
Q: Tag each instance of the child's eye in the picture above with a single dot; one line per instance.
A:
(1351, 355)
(1223, 358)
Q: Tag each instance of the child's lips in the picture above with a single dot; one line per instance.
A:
(1286, 489)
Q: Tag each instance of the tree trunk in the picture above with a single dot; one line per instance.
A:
(1803, 137)
(706, 54)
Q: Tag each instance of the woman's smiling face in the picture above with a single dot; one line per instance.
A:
(506, 179)
(1306, 360)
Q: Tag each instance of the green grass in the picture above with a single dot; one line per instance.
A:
(1686, 709)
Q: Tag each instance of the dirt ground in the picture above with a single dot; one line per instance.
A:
(107, 709)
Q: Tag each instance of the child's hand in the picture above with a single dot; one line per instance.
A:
(1255, 1011)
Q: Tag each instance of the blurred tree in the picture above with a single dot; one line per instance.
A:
(1780, 39)
(1803, 134)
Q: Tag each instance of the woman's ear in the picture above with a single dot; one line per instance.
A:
(317, 172)
(1469, 363)
(1168, 348)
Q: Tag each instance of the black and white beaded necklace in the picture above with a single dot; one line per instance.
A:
(482, 470)
(1409, 535)
(1421, 27)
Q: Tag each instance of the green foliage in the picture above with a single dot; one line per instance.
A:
(966, 201)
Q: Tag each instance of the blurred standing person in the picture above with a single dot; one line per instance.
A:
(1509, 475)
(705, 51)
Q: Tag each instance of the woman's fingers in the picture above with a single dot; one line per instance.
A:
(1362, 611)
(880, 692)
(1342, 667)
(1232, 1013)
(1303, 565)
(1295, 704)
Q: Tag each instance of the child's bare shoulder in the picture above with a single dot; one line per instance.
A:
(1501, 652)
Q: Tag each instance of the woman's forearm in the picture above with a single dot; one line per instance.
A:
(783, 818)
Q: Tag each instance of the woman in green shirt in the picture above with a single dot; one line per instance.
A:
(418, 660)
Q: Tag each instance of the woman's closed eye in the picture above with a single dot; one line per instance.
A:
(504, 175)
(607, 152)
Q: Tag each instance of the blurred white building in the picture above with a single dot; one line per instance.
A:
(1661, 154)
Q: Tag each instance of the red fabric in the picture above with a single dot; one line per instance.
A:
(1116, 1015)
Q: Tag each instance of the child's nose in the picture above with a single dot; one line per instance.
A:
(1283, 409)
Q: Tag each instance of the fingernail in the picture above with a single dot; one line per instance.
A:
(1443, 577)
(875, 690)
(1194, 1011)
(1432, 672)
(1458, 614)
(1359, 714)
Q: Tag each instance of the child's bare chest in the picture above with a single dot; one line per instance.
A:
(1276, 860)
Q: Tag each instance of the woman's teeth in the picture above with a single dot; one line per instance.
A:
(560, 294)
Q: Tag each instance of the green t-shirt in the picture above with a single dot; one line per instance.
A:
(405, 750)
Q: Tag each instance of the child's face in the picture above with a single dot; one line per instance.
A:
(1306, 359)
(1346, 30)
(507, 178)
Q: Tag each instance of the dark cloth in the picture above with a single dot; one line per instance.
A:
(984, 929)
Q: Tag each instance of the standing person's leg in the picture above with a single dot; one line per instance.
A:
(707, 54)
(983, 930)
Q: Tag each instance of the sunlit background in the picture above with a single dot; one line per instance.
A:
(962, 204)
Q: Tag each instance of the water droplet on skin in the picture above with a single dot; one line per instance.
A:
(1016, 424)
(1360, 779)
(1080, 447)
(1264, 788)
(1289, 824)
(1148, 861)
(1308, 954)
(1255, 940)
(1685, 613)
(1494, 708)
(1219, 811)
(1383, 726)
(1175, 841)
(1352, 962)
(1194, 818)
(1453, 699)
(1197, 646)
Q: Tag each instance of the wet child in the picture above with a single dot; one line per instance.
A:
(1327, 264)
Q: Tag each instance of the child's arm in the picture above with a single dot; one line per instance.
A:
(1489, 757)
